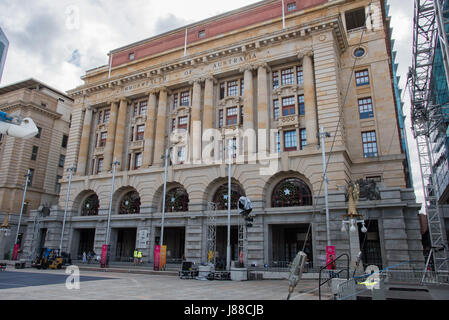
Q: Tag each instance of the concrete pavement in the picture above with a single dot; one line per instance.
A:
(127, 286)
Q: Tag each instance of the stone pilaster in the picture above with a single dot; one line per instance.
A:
(110, 140)
(120, 132)
(309, 98)
(208, 112)
(160, 127)
(84, 145)
(149, 131)
(195, 141)
(262, 109)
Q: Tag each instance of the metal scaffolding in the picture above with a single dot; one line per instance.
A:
(427, 116)
(211, 233)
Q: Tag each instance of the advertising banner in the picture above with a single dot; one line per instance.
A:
(15, 252)
(104, 256)
(163, 257)
(157, 257)
(330, 255)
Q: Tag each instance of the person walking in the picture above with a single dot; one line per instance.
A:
(84, 257)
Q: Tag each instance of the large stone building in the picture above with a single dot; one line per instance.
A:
(44, 154)
(266, 84)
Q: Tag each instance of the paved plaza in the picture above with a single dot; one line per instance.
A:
(32, 284)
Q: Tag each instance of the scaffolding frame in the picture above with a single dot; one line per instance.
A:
(426, 116)
(211, 233)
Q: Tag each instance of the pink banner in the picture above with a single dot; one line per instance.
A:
(157, 257)
(330, 256)
(15, 252)
(104, 255)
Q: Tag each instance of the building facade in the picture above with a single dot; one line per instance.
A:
(262, 83)
(4, 44)
(44, 154)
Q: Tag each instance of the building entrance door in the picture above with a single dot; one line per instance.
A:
(126, 243)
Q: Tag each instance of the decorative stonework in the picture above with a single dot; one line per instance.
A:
(230, 102)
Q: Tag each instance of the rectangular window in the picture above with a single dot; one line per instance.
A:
(201, 34)
(299, 76)
(140, 132)
(131, 135)
(369, 144)
(138, 161)
(222, 90)
(65, 140)
(185, 98)
(233, 88)
(242, 87)
(366, 108)
(58, 185)
(355, 19)
(175, 101)
(220, 119)
(278, 142)
(100, 116)
(276, 109)
(287, 76)
(131, 56)
(291, 6)
(231, 116)
(103, 137)
(288, 106)
(290, 140)
(301, 105)
(241, 115)
(136, 110)
(100, 165)
(106, 116)
(61, 161)
(173, 124)
(143, 108)
(182, 122)
(374, 178)
(1, 137)
(30, 178)
(362, 78)
(39, 132)
(275, 79)
(302, 138)
(34, 152)
(181, 155)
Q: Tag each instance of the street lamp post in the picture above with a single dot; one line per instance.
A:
(28, 175)
(163, 197)
(71, 170)
(228, 247)
(108, 232)
(323, 152)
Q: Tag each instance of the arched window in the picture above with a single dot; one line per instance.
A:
(221, 196)
(291, 192)
(90, 206)
(130, 203)
(177, 200)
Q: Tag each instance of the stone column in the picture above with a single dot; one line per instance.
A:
(110, 140)
(309, 98)
(84, 146)
(248, 113)
(262, 109)
(120, 132)
(160, 127)
(149, 131)
(195, 132)
(208, 112)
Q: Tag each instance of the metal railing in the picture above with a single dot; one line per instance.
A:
(333, 273)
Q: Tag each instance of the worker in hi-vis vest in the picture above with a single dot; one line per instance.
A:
(135, 256)
(139, 257)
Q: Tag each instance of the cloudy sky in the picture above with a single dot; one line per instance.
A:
(57, 41)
